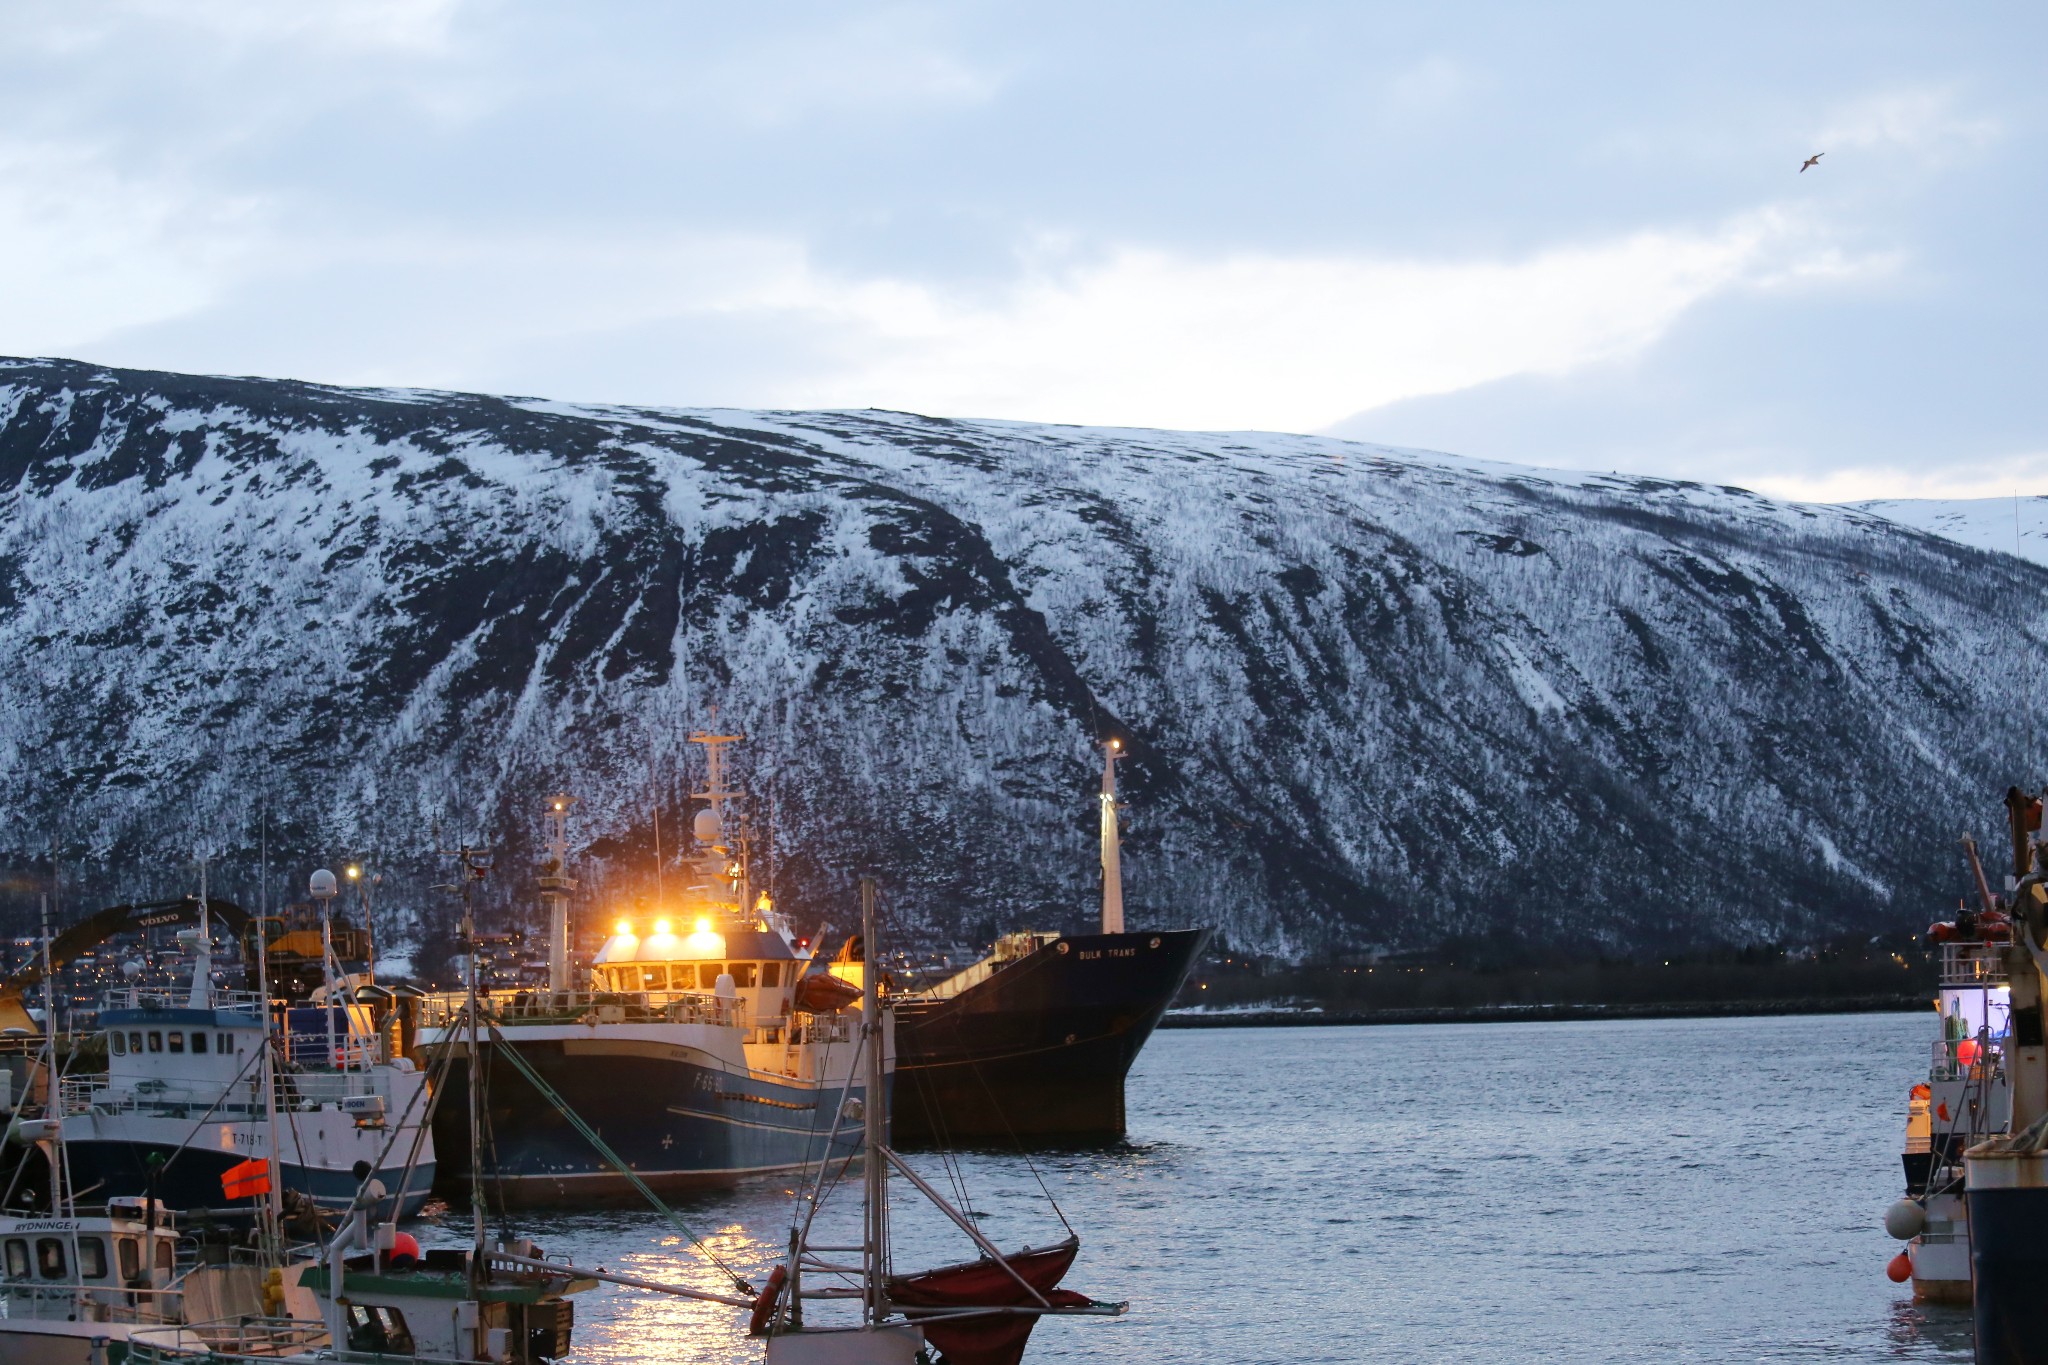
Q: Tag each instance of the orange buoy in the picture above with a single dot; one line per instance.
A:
(1966, 1053)
(1900, 1270)
(764, 1306)
(404, 1253)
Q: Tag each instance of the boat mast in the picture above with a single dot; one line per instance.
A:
(272, 1206)
(555, 886)
(323, 889)
(60, 1196)
(1112, 870)
(470, 873)
(875, 1110)
(202, 953)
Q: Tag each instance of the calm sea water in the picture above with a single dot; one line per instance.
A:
(1697, 1190)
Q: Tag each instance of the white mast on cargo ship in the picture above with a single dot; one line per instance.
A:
(1112, 871)
(555, 886)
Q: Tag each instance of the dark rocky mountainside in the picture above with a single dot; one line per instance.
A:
(1371, 696)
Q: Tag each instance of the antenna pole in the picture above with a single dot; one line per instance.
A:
(555, 886)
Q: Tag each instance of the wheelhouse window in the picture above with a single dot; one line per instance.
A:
(135, 1040)
(163, 1254)
(177, 1040)
(628, 978)
(198, 1041)
(743, 975)
(156, 1041)
(17, 1259)
(657, 978)
(49, 1258)
(118, 1042)
(771, 973)
(707, 975)
(92, 1258)
(130, 1257)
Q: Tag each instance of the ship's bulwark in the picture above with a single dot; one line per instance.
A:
(1039, 1050)
(679, 1125)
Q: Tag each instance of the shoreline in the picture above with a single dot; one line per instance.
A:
(1497, 1014)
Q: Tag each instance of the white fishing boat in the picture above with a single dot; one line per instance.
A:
(76, 1282)
(1966, 1098)
(187, 1095)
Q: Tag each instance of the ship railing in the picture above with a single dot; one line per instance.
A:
(1973, 964)
(178, 998)
(244, 1339)
(819, 1028)
(1953, 1059)
(297, 1091)
(605, 1007)
(45, 1300)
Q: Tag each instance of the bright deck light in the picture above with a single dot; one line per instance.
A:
(703, 924)
(624, 928)
(660, 927)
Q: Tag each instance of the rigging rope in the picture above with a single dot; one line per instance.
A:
(604, 1150)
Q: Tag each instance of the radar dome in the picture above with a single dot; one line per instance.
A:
(707, 827)
(322, 886)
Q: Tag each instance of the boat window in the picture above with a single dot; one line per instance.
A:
(49, 1258)
(156, 1041)
(135, 1040)
(378, 1330)
(771, 973)
(707, 975)
(118, 1043)
(177, 1040)
(629, 978)
(163, 1254)
(198, 1041)
(130, 1257)
(92, 1258)
(743, 974)
(657, 978)
(227, 1043)
(17, 1259)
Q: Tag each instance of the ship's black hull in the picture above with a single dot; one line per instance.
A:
(1040, 1049)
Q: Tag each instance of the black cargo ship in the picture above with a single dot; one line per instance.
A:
(1034, 1041)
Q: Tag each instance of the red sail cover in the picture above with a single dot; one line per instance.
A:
(997, 1338)
(246, 1179)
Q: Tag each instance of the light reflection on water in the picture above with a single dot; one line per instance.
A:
(1700, 1190)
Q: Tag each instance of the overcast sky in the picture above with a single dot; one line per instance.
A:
(1561, 234)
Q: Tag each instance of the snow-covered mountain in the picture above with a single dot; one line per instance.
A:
(1370, 695)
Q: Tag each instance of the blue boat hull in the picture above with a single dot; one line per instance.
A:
(190, 1178)
(677, 1124)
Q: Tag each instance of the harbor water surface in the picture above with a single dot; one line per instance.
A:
(1697, 1190)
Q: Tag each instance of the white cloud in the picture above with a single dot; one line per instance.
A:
(2020, 473)
(1927, 122)
(90, 250)
(1149, 337)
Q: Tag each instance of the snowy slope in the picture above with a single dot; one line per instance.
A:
(1370, 695)
(2002, 525)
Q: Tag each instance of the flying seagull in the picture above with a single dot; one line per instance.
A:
(1811, 162)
